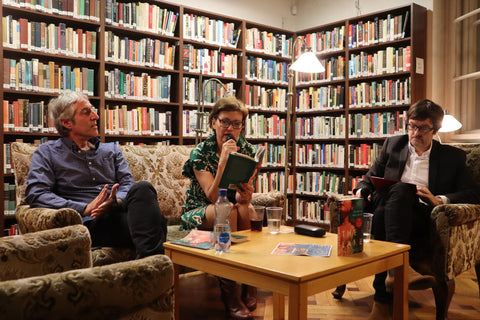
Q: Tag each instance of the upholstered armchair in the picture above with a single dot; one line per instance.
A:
(49, 275)
(456, 240)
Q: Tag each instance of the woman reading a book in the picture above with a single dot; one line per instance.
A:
(204, 169)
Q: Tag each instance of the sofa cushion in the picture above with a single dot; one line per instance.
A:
(161, 166)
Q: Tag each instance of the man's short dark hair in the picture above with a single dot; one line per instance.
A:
(426, 109)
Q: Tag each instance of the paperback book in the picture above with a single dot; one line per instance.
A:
(296, 249)
(349, 231)
(240, 168)
(203, 239)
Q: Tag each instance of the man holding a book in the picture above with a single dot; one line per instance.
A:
(428, 174)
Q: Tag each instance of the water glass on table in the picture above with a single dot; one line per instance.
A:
(256, 218)
(367, 226)
(274, 218)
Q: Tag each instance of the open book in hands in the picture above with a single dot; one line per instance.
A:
(240, 168)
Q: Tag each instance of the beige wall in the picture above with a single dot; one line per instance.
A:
(309, 13)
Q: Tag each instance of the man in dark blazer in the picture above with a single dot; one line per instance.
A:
(429, 174)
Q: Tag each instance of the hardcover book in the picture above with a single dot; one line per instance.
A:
(349, 231)
(240, 168)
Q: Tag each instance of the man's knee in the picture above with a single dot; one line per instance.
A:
(143, 188)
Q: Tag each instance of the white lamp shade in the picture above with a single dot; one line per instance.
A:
(307, 62)
(450, 124)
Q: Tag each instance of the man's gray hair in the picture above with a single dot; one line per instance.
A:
(62, 108)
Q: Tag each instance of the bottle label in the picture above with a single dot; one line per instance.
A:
(224, 237)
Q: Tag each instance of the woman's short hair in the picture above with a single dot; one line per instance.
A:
(62, 108)
(426, 109)
(227, 104)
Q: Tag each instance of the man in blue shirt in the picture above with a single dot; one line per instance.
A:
(78, 171)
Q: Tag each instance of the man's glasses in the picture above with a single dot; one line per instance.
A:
(421, 129)
(226, 123)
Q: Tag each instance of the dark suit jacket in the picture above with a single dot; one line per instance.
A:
(448, 173)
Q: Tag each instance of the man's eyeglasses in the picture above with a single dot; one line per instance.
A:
(226, 123)
(421, 129)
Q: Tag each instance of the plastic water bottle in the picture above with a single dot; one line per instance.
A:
(222, 229)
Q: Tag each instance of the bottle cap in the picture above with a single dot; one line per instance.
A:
(222, 192)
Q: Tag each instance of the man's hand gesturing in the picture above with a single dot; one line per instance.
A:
(101, 206)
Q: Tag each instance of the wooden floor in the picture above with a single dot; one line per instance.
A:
(200, 300)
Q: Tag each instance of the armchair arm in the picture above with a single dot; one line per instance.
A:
(457, 227)
(44, 252)
(105, 292)
(37, 219)
(268, 199)
(458, 213)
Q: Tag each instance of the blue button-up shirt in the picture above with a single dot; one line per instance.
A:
(64, 176)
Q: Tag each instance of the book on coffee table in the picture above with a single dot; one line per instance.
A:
(298, 249)
(203, 239)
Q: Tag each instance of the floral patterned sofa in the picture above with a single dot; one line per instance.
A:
(456, 239)
(161, 165)
(49, 275)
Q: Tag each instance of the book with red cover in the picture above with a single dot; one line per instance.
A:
(349, 230)
(381, 184)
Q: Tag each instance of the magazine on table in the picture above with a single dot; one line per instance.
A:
(203, 239)
(297, 249)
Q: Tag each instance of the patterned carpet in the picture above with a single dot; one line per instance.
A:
(200, 300)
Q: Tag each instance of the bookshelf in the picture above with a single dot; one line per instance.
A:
(142, 76)
(343, 115)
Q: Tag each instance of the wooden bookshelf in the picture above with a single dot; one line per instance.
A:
(255, 71)
(352, 141)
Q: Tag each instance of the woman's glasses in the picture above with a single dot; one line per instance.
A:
(227, 123)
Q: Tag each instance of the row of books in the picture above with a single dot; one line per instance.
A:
(49, 38)
(321, 98)
(312, 211)
(319, 183)
(145, 52)
(24, 116)
(382, 93)
(208, 61)
(137, 87)
(378, 124)
(320, 155)
(274, 155)
(189, 123)
(268, 42)
(260, 126)
(362, 156)
(8, 199)
(141, 16)
(390, 60)
(11, 231)
(273, 181)
(320, 127)
(266, 70)
(325, 41)
(334, 70)
(34, 75)
(353, 183)
(137, 121)
(377, 30)
(211, 31)
(213, 91)
(268, 99)
(78, 9)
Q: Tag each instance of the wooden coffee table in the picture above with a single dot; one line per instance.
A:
(297, 277)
